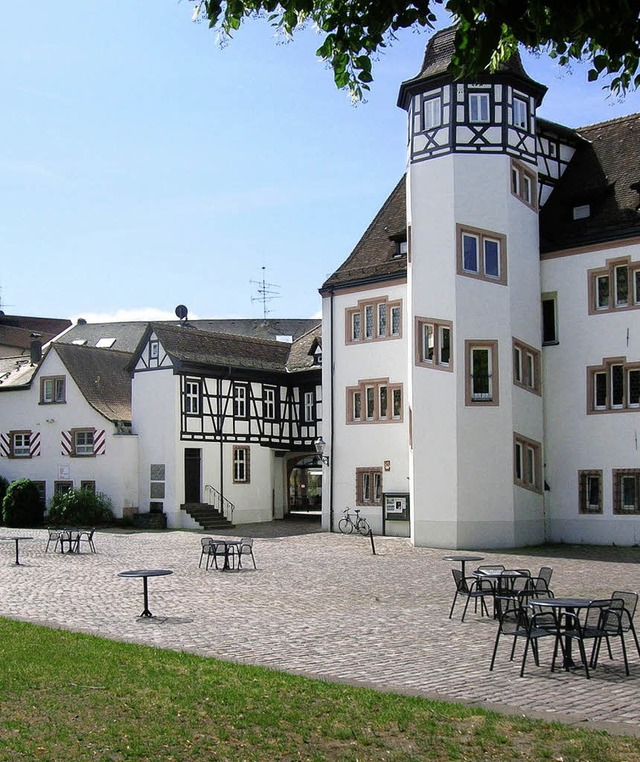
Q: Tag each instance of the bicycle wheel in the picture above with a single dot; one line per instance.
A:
(363, 526)
(345, 526)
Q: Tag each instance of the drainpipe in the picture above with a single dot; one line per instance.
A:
(331, 449)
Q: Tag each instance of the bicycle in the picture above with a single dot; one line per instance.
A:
(347, 524)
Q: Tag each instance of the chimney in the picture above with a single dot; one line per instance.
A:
(36, 348)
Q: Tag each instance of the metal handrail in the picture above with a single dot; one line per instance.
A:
(218, 501)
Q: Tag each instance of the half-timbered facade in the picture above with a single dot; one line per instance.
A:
(511, 247)
(223, 415)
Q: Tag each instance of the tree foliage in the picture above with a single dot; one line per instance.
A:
(21, 506)
(80, 507)
(604, 33)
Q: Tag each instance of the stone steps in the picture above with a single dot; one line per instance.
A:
(206, 515)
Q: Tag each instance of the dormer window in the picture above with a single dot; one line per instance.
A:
(402, 248)
(581, 212)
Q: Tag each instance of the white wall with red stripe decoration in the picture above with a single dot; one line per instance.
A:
(67, 446)
(34, 444)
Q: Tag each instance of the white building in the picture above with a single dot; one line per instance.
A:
(206, 428)
(481, 342)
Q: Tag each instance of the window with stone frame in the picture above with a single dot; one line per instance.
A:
(626, 490)
(434, 343)
(82, 441)
(374, 320)
(614, 386)
(481, 379)
(524, 184)
(374, 401)
(20, 444)
(482, 254)
(52, 390)
(527, 463)
(241, 464)
(368, 486)
(616, 286)
(590, 491)
(527, 370)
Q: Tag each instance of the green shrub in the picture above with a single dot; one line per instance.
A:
(4, 484)
(21, 506)
(80, 507)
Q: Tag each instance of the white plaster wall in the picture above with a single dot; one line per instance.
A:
(575, 440)
(253, 501)
(115, 473)
(365, 444)
(463, 491)
(433, 398)
(155, 406)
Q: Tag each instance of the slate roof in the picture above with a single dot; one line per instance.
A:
(604, 173)
(189, 347)
(128, 334)
(16, 330)
(437, 59)
(102, 376)
(374, 257)
(301, 351)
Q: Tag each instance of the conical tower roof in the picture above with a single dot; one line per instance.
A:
(437, 62)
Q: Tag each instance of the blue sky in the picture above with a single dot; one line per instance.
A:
(142, 166)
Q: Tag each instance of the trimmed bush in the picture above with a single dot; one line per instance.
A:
(21, 506)
(80, 507)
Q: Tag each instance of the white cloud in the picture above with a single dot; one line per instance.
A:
(124, 315)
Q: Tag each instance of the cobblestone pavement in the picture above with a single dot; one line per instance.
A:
(323, 605)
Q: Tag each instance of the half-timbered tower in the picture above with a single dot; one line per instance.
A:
(510, 254)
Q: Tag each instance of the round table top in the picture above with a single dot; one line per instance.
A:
(145, 573)
(7, 539)
(564, 603)
(463, 558)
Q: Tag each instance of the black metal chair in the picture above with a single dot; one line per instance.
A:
(472, 589)
(519, 620)
(616, 621)
(589, 628)
(245, 548)
(212, 550)
(545, 574)
(86, 536)
(55, 536)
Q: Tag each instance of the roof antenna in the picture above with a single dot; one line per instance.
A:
(181, 314)
(265, 293)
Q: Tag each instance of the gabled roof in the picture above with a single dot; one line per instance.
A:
(604, 173)
(16, 330)
(16, 372)
(301, 353)
(102, 376)
(128, 334)
(189, 347)
(375, 255)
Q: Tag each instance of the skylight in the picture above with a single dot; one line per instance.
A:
(105, 343)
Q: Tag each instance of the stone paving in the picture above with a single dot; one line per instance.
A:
(324, 606)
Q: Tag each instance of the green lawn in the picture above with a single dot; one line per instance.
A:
(65, 696)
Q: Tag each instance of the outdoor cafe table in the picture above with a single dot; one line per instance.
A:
(16, 540)
(145, 574)
(462, 560)
(502, 582)
(570, 605)
(228, 545)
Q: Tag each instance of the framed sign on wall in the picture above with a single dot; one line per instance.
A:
(396, 506)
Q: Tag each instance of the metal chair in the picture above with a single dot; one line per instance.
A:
(473, 589)
(245, 548)
(86, 535)
(616, 621)
(571, 627)
(519, 620)
(545, 574)
(205, 543)
(55, 536)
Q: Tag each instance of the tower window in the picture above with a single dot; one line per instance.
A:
(478, 107)
(432, 113)
(520, 115)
